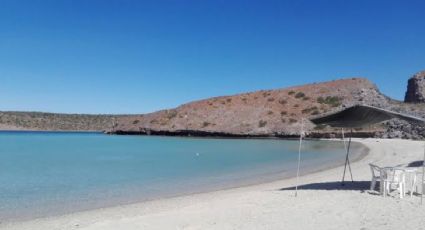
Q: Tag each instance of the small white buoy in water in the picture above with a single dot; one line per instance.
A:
(197, 154)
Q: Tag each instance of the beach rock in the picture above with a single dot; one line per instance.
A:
(416, 89)
(400, 129)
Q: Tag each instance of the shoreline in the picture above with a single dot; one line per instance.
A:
(332, 135)
(359, 152)
(265, 179)
(48, 131)
(272, 205)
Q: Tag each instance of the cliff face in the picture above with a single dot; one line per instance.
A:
(261, 113)
(416, 89)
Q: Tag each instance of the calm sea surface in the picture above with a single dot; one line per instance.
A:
(45, 174)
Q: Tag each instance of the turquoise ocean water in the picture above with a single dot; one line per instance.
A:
(48, 173)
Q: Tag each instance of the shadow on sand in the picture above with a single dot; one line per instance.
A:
(361, 186)
(415, 164)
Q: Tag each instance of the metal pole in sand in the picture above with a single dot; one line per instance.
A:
(343, 139)
(347, 161)
(299, 156)
(422, 179)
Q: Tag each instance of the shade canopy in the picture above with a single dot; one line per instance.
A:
(361, 116)
(364, 115)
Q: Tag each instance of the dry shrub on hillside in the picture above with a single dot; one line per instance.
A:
(205, 124)
(283, 101)
(299, 95)
(330, 100)
(262, 123)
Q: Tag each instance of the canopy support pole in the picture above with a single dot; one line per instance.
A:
(299, 156)
(347, 159)
(422, 179)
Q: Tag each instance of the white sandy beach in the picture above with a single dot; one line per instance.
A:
(321, 203)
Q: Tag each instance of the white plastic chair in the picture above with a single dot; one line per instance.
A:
(417, 182)
(391, 177)
(376, 176)
(411, 177)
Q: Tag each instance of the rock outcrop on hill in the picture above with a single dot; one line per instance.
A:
(416, 89)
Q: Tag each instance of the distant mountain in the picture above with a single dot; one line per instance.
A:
(54, 121)
(264, 113)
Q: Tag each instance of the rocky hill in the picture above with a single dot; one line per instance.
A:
(54, 121)
(276, 112)
(266, 113)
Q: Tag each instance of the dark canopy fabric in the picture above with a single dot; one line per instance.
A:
(361, 116)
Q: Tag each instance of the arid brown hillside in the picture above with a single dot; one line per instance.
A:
(54, 122)
(262, 113)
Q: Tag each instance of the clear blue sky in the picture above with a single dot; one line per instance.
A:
(140, 56)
